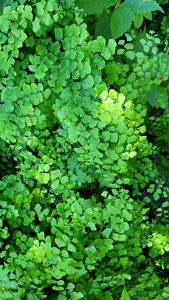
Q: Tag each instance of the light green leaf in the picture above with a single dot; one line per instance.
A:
(60, 243)
(130, 54)
(125, 295)
(138, 20)
(92, 226)
(70, 286)
(88, 82)
(148, 16)
(3, 275)
(114, 137)
(121, 21)
(167, 248)
(27, 14)
(47, 19)
(111, 46)
(71, 248)
(36, 25)
(106, 232)
(92, 249)
(61, 297)
(3, 38)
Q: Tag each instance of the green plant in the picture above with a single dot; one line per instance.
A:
(77, 172)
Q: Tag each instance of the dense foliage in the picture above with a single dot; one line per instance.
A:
(84, 150)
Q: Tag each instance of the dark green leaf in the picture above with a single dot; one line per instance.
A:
(2, 185)
(103, 26)
(4, 4)
(94, 7)
(143, 6)
(157, 97)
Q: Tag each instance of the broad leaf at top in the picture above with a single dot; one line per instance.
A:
(94, 6)
(143, 6)
(121, 20)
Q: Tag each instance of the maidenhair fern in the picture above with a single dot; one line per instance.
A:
(77, 171)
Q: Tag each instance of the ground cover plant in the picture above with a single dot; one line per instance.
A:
(84, 151)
